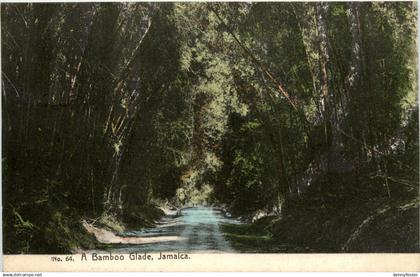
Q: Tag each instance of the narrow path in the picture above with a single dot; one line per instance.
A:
(196, 230)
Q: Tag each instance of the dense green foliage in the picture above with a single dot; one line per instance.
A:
(305, 112)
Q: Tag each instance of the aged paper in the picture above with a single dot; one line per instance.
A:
(225, 262)
(210, 136)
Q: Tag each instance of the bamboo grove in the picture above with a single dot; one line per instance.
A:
(304, 112)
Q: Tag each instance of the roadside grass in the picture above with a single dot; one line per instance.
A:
(253, 237)
(339, 213)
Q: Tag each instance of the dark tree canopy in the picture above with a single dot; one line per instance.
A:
(291, 110)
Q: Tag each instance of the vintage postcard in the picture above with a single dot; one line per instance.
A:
(210, 136)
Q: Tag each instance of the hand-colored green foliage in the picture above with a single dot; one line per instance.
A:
(111, 108)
